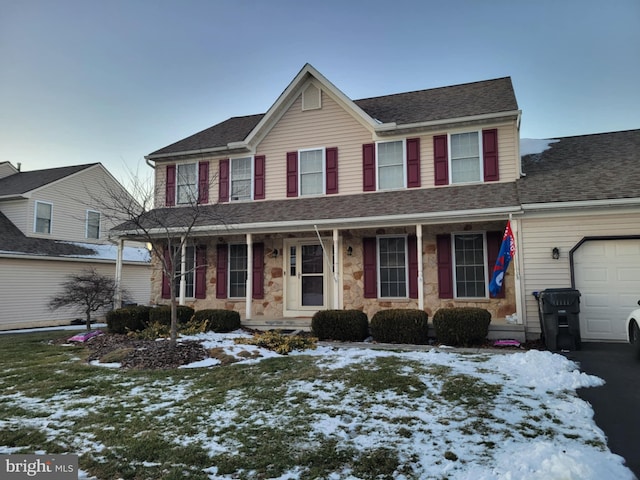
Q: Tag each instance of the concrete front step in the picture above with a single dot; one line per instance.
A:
(296, 323)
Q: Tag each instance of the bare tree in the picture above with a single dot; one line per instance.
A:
(87, 291)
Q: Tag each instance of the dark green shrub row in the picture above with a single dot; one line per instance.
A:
(342, 325)
(128, 319)
(162, 315)
(400, 326)
(220, 321)
(463, 326)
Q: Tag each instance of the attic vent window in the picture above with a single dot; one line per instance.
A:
(311, 98)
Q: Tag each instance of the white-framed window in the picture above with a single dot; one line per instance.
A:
(312, 171)
(241, 175)
(465, 157)
(190, 272)
(393, 269)
(187, 183)
(391, 161)
(238, 271)
(93, 224)
(469, 265)
(42, 217)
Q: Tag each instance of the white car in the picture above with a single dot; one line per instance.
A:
(633, 330)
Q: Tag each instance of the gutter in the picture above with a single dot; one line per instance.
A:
(27, 256)
(389, 127)
(616, 202)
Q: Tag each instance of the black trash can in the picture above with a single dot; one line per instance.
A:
(559, 310)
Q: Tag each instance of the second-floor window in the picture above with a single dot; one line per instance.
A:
(391, 161)
(42, 222)
(311, 172)
(187, 183)
(466, 162)
(241, 175)
(93, 224)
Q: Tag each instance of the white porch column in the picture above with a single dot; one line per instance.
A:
(336, 277)
(420, 267)
(249, 287)
(515, 229)
(183, 271)
(117, 298)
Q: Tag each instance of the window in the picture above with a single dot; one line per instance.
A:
(93, 224)
(189, 276)
(42, 223)
(469, 262)
(391, 161)
(392, 261)
(187, 183)
(466, 163)
(238, 271)
(311, 172)
(241, 174)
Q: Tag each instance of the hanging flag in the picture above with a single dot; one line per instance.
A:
(507, 252)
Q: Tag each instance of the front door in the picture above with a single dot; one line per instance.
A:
(306, 278)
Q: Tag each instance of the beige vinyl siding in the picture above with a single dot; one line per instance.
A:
(27, 285)
(540, 233)
(16, 212)
(6, 169)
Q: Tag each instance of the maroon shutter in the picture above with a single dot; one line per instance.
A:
(445, 266)
(413, 162)
(221, 273)
(259, 177)
(170, 193)
(490, 155)
(201, 272)
(203, 182)
(370, 267)
(369, 167)
(258, 270)
(223, 180)
(292, 174)
(412, 247)
(494, 241)
(166, 286)
(441, 160)
(332, 170)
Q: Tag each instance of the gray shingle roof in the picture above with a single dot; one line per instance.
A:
(588, 167)
(23, 182)
(478, 98)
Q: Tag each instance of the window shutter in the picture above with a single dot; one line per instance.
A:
(369, 167)
(490, 155)
(370, 266)
(166, 286)
(413, 162)
(170, 193)
(494, 241)
(259, 177)
(201, 272)
(258, 270)
(412, 253)
(292, 174)
(223, 180)
(203, 182)
(332, 170)
(445, 267)
(441, 160)
(221, 273)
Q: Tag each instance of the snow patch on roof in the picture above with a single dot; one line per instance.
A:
(110, 252)
(535, 146)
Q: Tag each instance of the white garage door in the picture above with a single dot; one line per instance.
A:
(607, 273)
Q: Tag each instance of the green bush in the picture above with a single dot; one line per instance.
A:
(462, 326)
(128, 319)
(219, 321)
(162, 314)
(278, 342)
(398, 325)
(343, 325)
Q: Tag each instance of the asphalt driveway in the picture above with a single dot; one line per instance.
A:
(617, 403)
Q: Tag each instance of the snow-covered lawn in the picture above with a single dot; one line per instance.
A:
(334, 413)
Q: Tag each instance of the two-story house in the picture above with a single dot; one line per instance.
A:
(51, 226)
(327, 202)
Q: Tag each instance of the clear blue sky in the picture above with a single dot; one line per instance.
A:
(111, 81)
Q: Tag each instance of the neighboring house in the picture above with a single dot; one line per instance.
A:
(50, 227)
(397, 201)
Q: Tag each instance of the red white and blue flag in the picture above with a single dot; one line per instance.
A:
(507, 252)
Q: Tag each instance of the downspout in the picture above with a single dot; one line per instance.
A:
(148, 162)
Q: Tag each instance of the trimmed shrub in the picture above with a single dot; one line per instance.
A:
(162, 314)
(216, 320)
(128, 319)
(343, 325)
(461, 326)
(400, 325)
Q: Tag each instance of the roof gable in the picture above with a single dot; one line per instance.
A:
(23, 182)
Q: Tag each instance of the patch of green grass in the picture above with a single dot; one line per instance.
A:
(469, 391)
